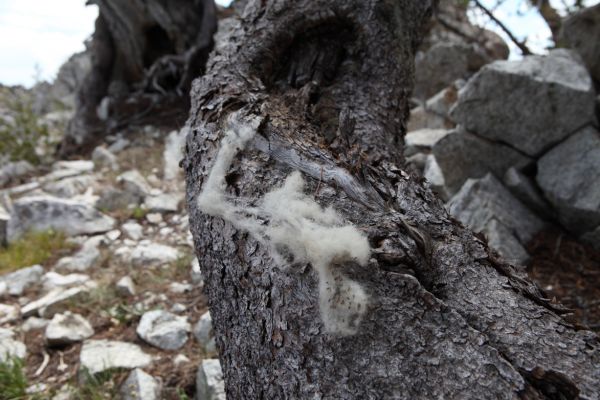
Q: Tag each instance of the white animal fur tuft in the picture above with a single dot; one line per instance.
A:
(309, 232)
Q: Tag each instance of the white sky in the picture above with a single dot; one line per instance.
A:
(39, 35)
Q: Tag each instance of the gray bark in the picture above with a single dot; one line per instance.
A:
(446, 318)
(144, 55)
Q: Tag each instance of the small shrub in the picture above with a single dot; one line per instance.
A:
(13, 383)
(20, 135)
(36, 247)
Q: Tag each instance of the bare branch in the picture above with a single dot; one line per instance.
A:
(520, 44)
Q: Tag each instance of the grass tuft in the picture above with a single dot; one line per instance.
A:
(101, 386)
(13, 383)
(34, 248)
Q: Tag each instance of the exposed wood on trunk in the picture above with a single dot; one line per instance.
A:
(446, 318)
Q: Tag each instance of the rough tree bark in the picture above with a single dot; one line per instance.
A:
(144, 55)
(326, 84)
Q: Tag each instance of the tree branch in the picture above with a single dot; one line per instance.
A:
(520, 44)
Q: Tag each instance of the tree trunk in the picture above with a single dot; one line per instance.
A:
(299, 309)
(144, 55)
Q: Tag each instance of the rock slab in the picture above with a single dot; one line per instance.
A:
(48, 212)
(163, 329)
(100, 355)
(530, 104)
(569, 175)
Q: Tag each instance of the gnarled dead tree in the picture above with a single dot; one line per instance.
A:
(144, 55)
(321, 87)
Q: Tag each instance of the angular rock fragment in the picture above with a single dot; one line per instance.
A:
(209, 381)
(68, 328)
(530, 104)
(462, 155)
(163, 329)
(140, 386)
(569, 175)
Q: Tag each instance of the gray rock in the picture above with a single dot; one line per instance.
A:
(84, 259)
(164, 203)
(34, 323)
(100, 355)
(524, 189)
(417, 161)
(113, 235)
(8, 313)
(442, 102)
(104, 158)
(112, 199)
(180, 287)
(80, 166)
(14, 170)
(10, 348)
(134, 183)
(54, 301)
(3, 289)
(163, 329)
(203, 332)
(140, 386)
(61, 93)
(49, 212)
(440, 65)
(481, 201)
(133, 230)
(581, 31)
(53, 280)
(569, 175)
(422, 140)
(502, 239)
(154, 218)
(209, 381)
(69, 187)
(66, 392)
(462, 155)
(125, 286)
(153, 254)
(435, 177)
(68, 328)
(530, 104)
(6, 333)
(421, 118)
(119, 145)
(20, 280)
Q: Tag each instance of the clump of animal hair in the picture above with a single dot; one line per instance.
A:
(297, 223)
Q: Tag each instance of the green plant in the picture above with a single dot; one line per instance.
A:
(100, 386)
(182, 395)
(138, 213)
(34, 247)
(21, 134)
(13, 383)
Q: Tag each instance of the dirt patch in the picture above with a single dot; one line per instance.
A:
(568, 271)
